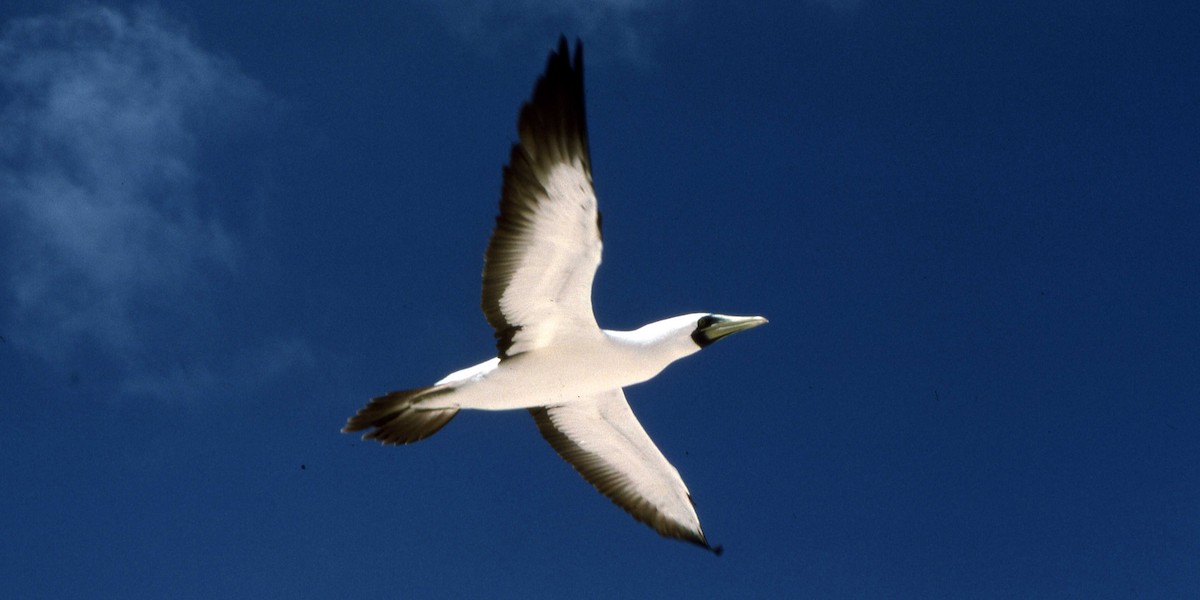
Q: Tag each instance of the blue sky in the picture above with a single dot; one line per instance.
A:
(974, 226)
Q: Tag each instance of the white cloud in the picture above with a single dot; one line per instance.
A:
(98, 217)
(108, 251)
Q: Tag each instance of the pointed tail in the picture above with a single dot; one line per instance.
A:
(397, 419)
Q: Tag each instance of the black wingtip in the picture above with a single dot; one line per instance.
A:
(563, 51)
(702, 541)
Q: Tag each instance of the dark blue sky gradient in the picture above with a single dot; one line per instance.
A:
(975, 228)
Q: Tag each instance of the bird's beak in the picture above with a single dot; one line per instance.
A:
(724, 325)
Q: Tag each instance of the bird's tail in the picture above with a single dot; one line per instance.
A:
(398, 419)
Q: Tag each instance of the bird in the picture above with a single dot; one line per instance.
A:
(553, 359)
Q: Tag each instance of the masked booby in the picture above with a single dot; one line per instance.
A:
(553, 359)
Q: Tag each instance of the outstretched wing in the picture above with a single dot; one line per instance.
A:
(603, 440)
(543, 255)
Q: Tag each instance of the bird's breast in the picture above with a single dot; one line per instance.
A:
(555, 375)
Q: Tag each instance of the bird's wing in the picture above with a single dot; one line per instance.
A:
(538, 270)
(603, 440)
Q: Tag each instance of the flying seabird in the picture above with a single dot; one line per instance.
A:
(553, 359)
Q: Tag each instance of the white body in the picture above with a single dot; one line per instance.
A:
(553, 359)
(583, 366)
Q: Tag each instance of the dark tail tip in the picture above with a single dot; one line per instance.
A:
(395, 420)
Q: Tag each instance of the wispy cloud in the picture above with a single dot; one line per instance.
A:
(244, 371)
(104, 241)
(96, 170)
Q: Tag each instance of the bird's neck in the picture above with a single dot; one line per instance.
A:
(647, 355)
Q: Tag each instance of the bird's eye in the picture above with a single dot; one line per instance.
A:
(705, 322)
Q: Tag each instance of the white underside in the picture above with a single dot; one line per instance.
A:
(564, 372)
(579, 380)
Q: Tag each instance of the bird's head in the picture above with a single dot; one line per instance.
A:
(671, 339)
(687, 334)
(710, 328)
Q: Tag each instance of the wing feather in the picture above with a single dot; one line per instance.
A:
(544, 251)
(601, 438)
